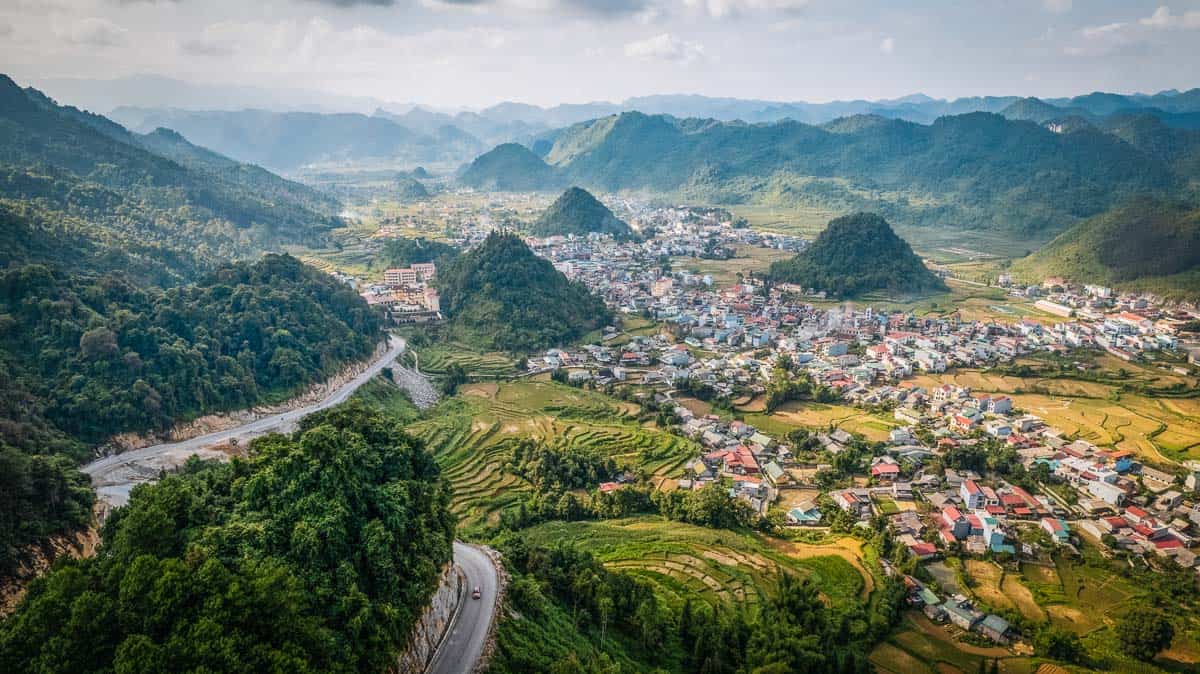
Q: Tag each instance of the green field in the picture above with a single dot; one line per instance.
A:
(682, 561)
(471, 435)
(437, 358)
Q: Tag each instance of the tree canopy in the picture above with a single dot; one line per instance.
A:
(504, 295)
(857, 254)
(316, 553)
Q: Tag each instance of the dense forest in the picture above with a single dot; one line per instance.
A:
(501, 294)
(577, 212)
(85, 357)
(316, 553)
(857, 254)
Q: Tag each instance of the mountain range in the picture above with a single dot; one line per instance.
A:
(288, 141)
(977, 171)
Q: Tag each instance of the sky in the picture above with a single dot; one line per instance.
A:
(475, 53)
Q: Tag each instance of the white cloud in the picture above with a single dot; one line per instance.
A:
(665, 47)
(92, 32)
(723, 8)
(1162, 18)
(1057, 6)
(888, 45)
(1096, 32)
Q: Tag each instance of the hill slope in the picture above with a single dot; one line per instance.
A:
(857, 254)
(510, 168)
(977, 171)
(174, 214)
(1146, 243)
(578, 212)
(502, 294)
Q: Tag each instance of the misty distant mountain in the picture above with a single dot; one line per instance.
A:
(287, 141)
(154, 91)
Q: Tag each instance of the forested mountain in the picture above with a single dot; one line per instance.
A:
(119, 307)
(288, 141)
(83, 357)
(510, 168)
(316, 553)
(502, 294)
(576, 211)
(978, 171)
(1146, 243)
(65, 172)
(857, 254)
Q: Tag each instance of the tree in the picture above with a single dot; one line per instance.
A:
(1143, 632)
(1058, 643)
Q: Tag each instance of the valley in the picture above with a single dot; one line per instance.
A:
(667, 384)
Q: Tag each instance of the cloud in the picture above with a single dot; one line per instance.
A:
(1057, 6)
(888, 45)
(1108, 29)
(6, 29)
(1162, 18)
(719, 9)
(600, 8)
(351, 3)
(665, 47)
(91, 32)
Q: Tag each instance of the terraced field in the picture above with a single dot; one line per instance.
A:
(682, 561)
(1162, 430)
(437, 359)
(471, 437)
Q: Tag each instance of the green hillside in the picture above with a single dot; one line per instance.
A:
(971, 171)
(578, 212)
(857, 254)
(503, 295)
(1145, 244)
(173, 214)
(510, 168)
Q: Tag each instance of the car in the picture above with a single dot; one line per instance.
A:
(475, 594)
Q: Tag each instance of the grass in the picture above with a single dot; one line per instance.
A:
(436, 359)
(389, 399)
(747, 260)
(471, 437)
(791, 416)
(682, 561)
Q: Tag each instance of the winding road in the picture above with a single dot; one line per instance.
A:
(464, 641)
(114, 476)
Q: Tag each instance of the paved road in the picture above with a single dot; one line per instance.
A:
(114, 476)
(464, 644)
